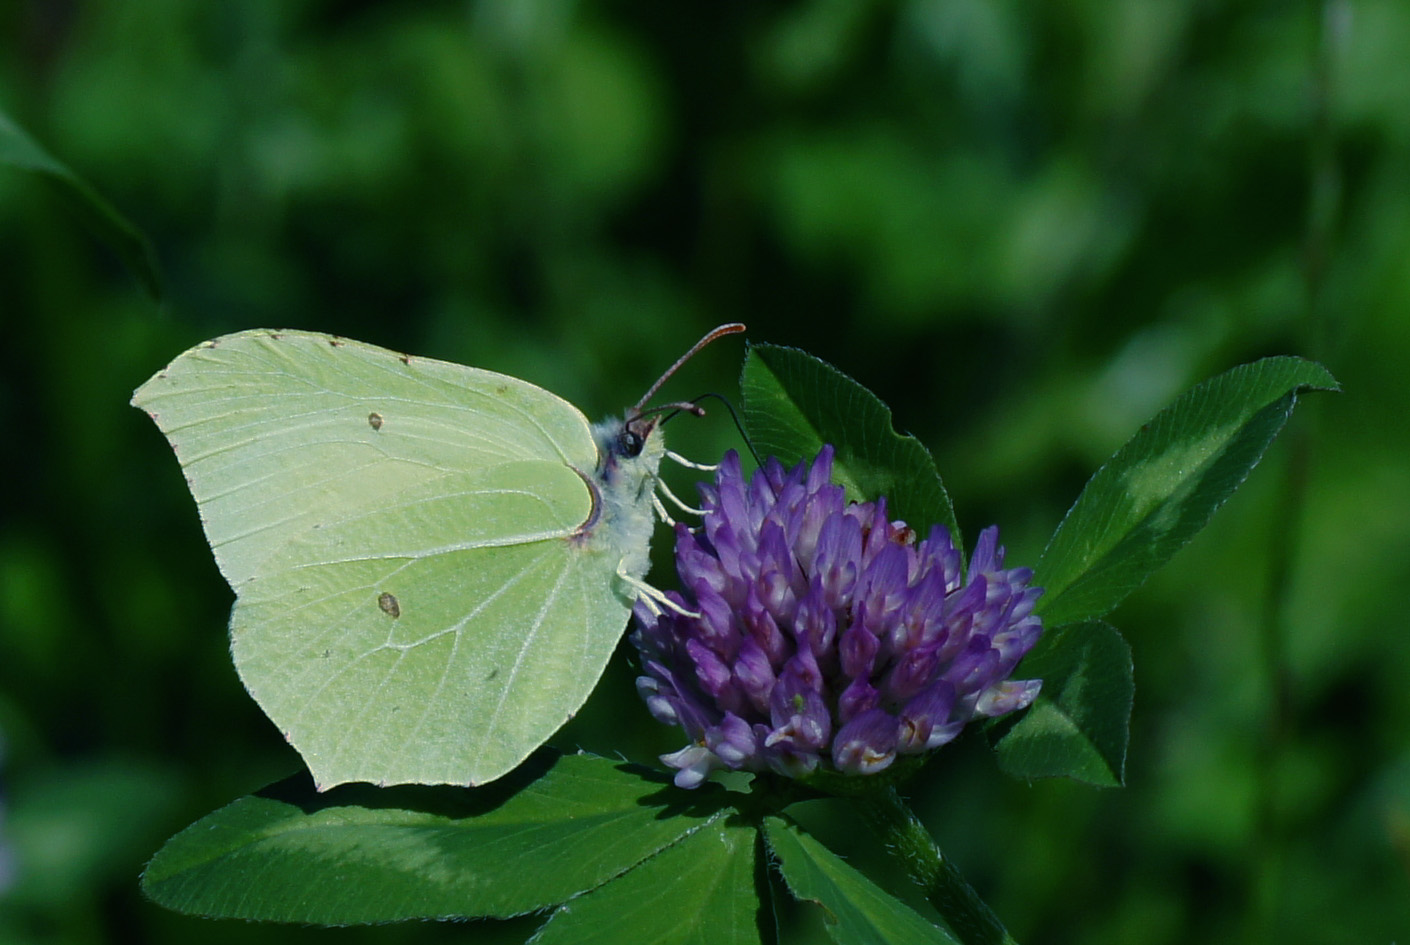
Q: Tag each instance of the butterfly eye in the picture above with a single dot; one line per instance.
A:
(630, 443)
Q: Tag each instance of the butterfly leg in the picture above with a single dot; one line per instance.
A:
(661, 512)
(666, 491)
(690, 464)
(652, 597)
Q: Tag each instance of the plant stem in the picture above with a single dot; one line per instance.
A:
(955, 900)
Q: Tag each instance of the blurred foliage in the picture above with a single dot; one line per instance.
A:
(1025, 225)
(19, 150)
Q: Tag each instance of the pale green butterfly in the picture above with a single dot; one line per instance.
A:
(432, 563)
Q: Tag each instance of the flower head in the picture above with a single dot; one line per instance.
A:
(825, 635)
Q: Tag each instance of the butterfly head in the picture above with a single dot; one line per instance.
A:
(629, 453)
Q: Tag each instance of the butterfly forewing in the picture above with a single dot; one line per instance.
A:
(282, 431)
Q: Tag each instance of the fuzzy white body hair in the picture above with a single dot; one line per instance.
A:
(624, 484)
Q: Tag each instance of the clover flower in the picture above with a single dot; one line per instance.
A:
(825, 635)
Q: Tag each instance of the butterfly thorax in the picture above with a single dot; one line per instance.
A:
(629, 455)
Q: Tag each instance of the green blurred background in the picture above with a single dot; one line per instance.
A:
(1026, 225)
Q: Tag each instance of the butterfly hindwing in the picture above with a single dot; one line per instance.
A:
(439, 639)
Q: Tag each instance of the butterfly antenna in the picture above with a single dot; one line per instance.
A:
(733, 328)
(695, 408)
(686, 406)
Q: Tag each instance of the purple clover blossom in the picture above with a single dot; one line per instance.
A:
(825, 634)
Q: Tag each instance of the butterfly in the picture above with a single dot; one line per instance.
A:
(432, 563)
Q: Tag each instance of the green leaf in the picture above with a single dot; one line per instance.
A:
(698, 892)
(552, 830)
(1079, 725)
(855, 910)
(19, 150)
(794, 403)
(1165, 483)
